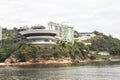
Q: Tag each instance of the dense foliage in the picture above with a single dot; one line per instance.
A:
(105, 43)
(61, 50)
(9, 43)
(26, 52)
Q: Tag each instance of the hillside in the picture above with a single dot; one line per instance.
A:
(103, 42)
(24, 51)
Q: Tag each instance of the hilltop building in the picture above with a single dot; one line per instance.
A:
(37, 35)
(84, 36)
(65, 32)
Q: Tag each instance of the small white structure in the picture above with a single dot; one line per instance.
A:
(85, 36)
(104, 53)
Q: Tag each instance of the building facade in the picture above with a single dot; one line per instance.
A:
(65, 32)
(37, 35)
(84, 36)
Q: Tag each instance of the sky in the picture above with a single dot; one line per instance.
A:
(84, 15)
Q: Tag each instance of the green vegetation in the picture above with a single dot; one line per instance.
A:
(9, 44)
(3, 55)
(105, 43)
(24, 51)
(98, 56)
(61, 50)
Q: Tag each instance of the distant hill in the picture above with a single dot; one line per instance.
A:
(103, 42)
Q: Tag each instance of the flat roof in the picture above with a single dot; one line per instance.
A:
(33, 31)
(40, 37)
(40, 43)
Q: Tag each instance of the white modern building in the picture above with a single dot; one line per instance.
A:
(37, 35)
(65, 32)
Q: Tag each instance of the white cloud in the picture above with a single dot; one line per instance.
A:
(85, 15)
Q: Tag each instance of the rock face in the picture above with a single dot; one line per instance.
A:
(50, 60)
(11, 59)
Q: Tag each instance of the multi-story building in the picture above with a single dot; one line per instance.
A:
(37, 35)
(65, 32)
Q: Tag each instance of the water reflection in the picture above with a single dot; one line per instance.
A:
(83, 71)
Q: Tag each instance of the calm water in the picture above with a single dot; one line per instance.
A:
(91, 71)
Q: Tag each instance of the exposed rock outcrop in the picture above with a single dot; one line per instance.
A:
(11, 59)
(50, 60)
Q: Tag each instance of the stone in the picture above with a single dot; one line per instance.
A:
(11, 59)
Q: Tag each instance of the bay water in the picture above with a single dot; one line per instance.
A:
(82, 71)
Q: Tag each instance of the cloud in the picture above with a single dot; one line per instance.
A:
(85, 15)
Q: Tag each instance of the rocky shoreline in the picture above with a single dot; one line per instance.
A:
(53, 61)
(12, 61)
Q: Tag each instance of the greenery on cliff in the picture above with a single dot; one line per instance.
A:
(105, 43)
(61, 50)
(24, 51)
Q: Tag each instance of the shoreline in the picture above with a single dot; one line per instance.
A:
(55, 62)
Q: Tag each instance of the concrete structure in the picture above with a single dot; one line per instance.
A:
(84, 36)
(58, 28)
(37, 35)
(104, 53)
(65, 32)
